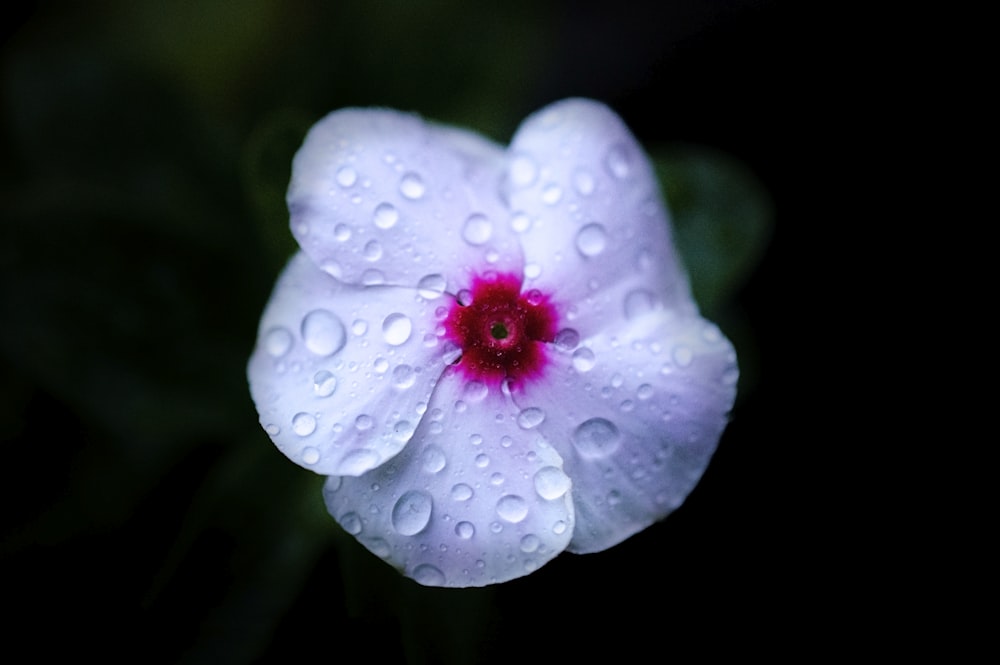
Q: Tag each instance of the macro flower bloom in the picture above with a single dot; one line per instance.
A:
(493, 354)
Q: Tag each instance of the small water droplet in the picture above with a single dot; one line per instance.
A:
(431, 286)
(346, 176)
(559, 528)
(637, 303)
(532, 271)
(412, 512)
(596, 438)
(342, 232)
(618, 161)
(303, 424)
(385, 216)
(645, 391)
(475, 391)
(567, 339)
(530, 418)
(512, 508)
(520, 222)
(461, 492)
(482, 460)
(683, 355)
(359, 327)
(351, 523)
(402, 431)
(465, 530)
(496, 527)
(396, 328)
(381, 365)
(591, 240)
(412, 186)
(403, 377)
(372, 277)
(523, 171)
(428, 575)
(363, 422)
(730, 376)
(530, 543)
(551, 483)
(272, 429)
(358, 461)
(278, 341)
(323, 333)
(614, 498)
(583, 182)
(477, 229)
(332, 268)
(379, 547)
(552, 194)
(584, 359)
(310, 455)
(373, 250)
(432, 459)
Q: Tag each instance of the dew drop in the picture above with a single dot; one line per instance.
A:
(530, 543)
(372, 277)
(596, 438)
(530, 418)
(303, 424)
(461, 492)
(520, 222)
(730, 376)
(412, 186)
(396, 328)
(358, 461)
(431, 286)
(379, 547)
(277, 342)
(552, 194)
(637, 303)
(342, 232)
(359, 327)
(614, 498)
(645, 391)
(559, 528)
(591, 240)
(402, 431)
(332, 268)
(403, 377)
(373, 250)
(523, 171)
(477, 229)
(482, 460)
(363, 422)
(683, 355)
(385, 216)
(432, 459)
(310, 455)
(551, 483)
(584, 359)
(381, 365)
(583, 182)
(475, 391)
(346, 176)
(272, 429)
(465, 530)
(351, 523)
(567, 339)
(617, 162)
(412, 512)
(512, 508)
(428, 575)
(323, 333)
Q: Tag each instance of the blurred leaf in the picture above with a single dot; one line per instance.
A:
(723, 219)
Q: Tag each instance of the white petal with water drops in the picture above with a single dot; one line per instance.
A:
(473, 499)
(340, 399)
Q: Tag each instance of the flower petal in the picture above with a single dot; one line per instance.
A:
(474, 499)
(636, 413)
(379, 196)
(342, 374)
(594, 229)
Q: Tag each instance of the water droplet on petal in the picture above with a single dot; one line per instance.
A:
(584, 359)
(342, 232)
(465, 530)
(461, 492)
(523, 171)
(637, 303)
(363, 422)
(645, 391)
(351, 523)
(412, 186)
(475, 391)
(482, 460)
(412, 512)
(431, 286)
(303, 424)
(617, 162)
(310, 455)
(323, 333)
(559, 528)
(591, 240)
(278, 341)
(551, 483)
(512, 508)
(396, 328)
(403, 377)
(372, 277)
(520, 222)
(373, 250)
(428, 575)
(477, 229)
(433, 459)
(567, 339)
(402, 431)
(359, 327)
(596, 438)
(530, 417)
(332, 268)
(583, 182)
(346, 176)
(385, 216)
(358, 461)
(381, 365)
(683, 355)
(379, 547)
(530, 543)
(552, 194)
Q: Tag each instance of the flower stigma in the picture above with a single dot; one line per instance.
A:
(502, 332)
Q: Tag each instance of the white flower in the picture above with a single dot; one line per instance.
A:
(493, 354)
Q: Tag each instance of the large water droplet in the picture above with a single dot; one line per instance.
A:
(584, 359)
(324, 383)
(432, 459)
(346, 176)
(277, 342)
(567, 339)
(461, 492)
(396, 328)
(402, 431)
(523, 171)
(428, 575)
(530, 417)
(591, 240)
(412, 186)
(477, 229)
(358, 461)
(596, 438)
(465, 530)
(385, 216)
(512, 508)
(351, 523)
(551, 483)
(618, 161)
(431, 286)
(412, 512)
(303, 424)
(323, 333)
(403, 377)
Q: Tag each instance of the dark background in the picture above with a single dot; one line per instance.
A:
(144, 152)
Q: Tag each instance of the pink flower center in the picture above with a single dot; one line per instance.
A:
(502, 332)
